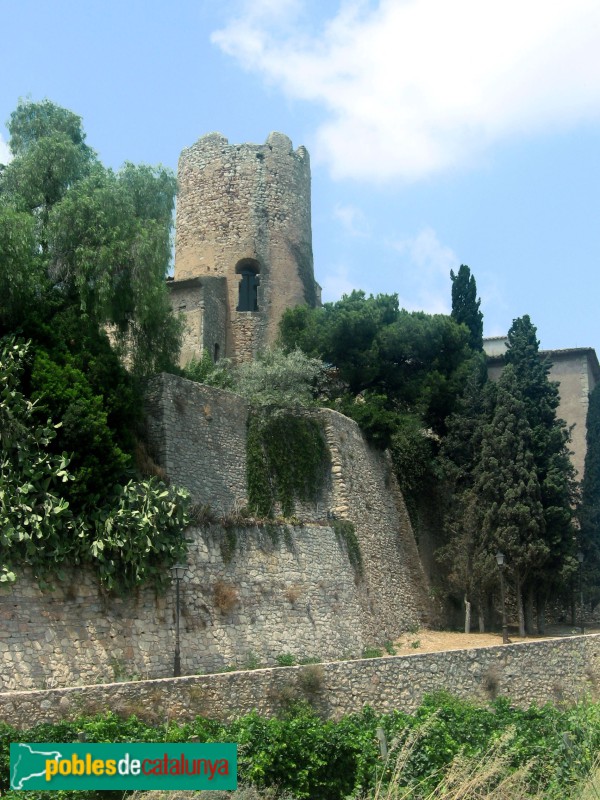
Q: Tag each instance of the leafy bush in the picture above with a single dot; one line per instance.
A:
(37, 527)
(372, 652)
(279, 380)
(209, 372)
(138, 536)
(286, 660)
(130, 538)
(300, 753)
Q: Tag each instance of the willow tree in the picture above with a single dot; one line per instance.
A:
(75, 232)
(84, 251)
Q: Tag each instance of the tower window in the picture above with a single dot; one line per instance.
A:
(248, 296)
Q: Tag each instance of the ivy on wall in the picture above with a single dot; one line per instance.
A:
(286, 457)
(345, 531)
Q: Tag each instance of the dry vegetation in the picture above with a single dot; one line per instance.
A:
(488, 778)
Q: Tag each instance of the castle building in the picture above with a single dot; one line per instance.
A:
(577, 372)
(243, 256)
(243, 244)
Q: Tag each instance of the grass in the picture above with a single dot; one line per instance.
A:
(476, 778)
(487, 777)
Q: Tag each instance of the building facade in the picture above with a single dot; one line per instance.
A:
(577, 372)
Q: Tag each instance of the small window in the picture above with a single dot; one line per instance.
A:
(216, 353)
(248, 289)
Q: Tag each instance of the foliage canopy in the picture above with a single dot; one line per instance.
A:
(84, 252)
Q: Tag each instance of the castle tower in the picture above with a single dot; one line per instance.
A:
(243, 245)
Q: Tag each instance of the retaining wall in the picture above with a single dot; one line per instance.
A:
(532, 672)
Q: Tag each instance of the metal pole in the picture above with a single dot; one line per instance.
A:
(177, 663)
(504, 622)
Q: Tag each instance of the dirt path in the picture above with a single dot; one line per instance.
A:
(426, 641)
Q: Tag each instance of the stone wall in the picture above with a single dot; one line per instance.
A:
(240, 202)
(203, 305)
(252, 590)
(250, 593)
(198, 435)
(364, 490)
(531, 672)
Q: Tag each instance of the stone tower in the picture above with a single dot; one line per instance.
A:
(243, 245)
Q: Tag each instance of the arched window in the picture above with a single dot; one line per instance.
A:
(248, 297)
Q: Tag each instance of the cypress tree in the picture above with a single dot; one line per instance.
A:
(590, 500)
(465, 305)
(467, 561)
(508, 489)
(554, 470)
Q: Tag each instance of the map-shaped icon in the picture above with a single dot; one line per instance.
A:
(29, 763)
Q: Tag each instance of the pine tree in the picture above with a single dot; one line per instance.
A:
(465, 305)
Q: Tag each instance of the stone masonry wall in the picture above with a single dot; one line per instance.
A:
(252, 591)
(203, 305)
(533, 672)
(248, 594)
(365, 491)
(198, 435)
(247, 202)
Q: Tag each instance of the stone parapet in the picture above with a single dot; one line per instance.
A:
(538, 672)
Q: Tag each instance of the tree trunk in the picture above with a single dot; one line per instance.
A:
(490, 612)
(481, 617)
(529, 598)
(541, 615)
(520, 610)
(467, 615)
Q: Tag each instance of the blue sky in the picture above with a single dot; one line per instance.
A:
(440, 132)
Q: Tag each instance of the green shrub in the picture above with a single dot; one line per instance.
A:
(300, 753)
(286, 660)
(372, 652)
(209, 372)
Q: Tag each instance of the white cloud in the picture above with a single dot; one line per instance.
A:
(336, 282)
(425, 269)
(352, 219)
(412, 87)
(5, 154)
